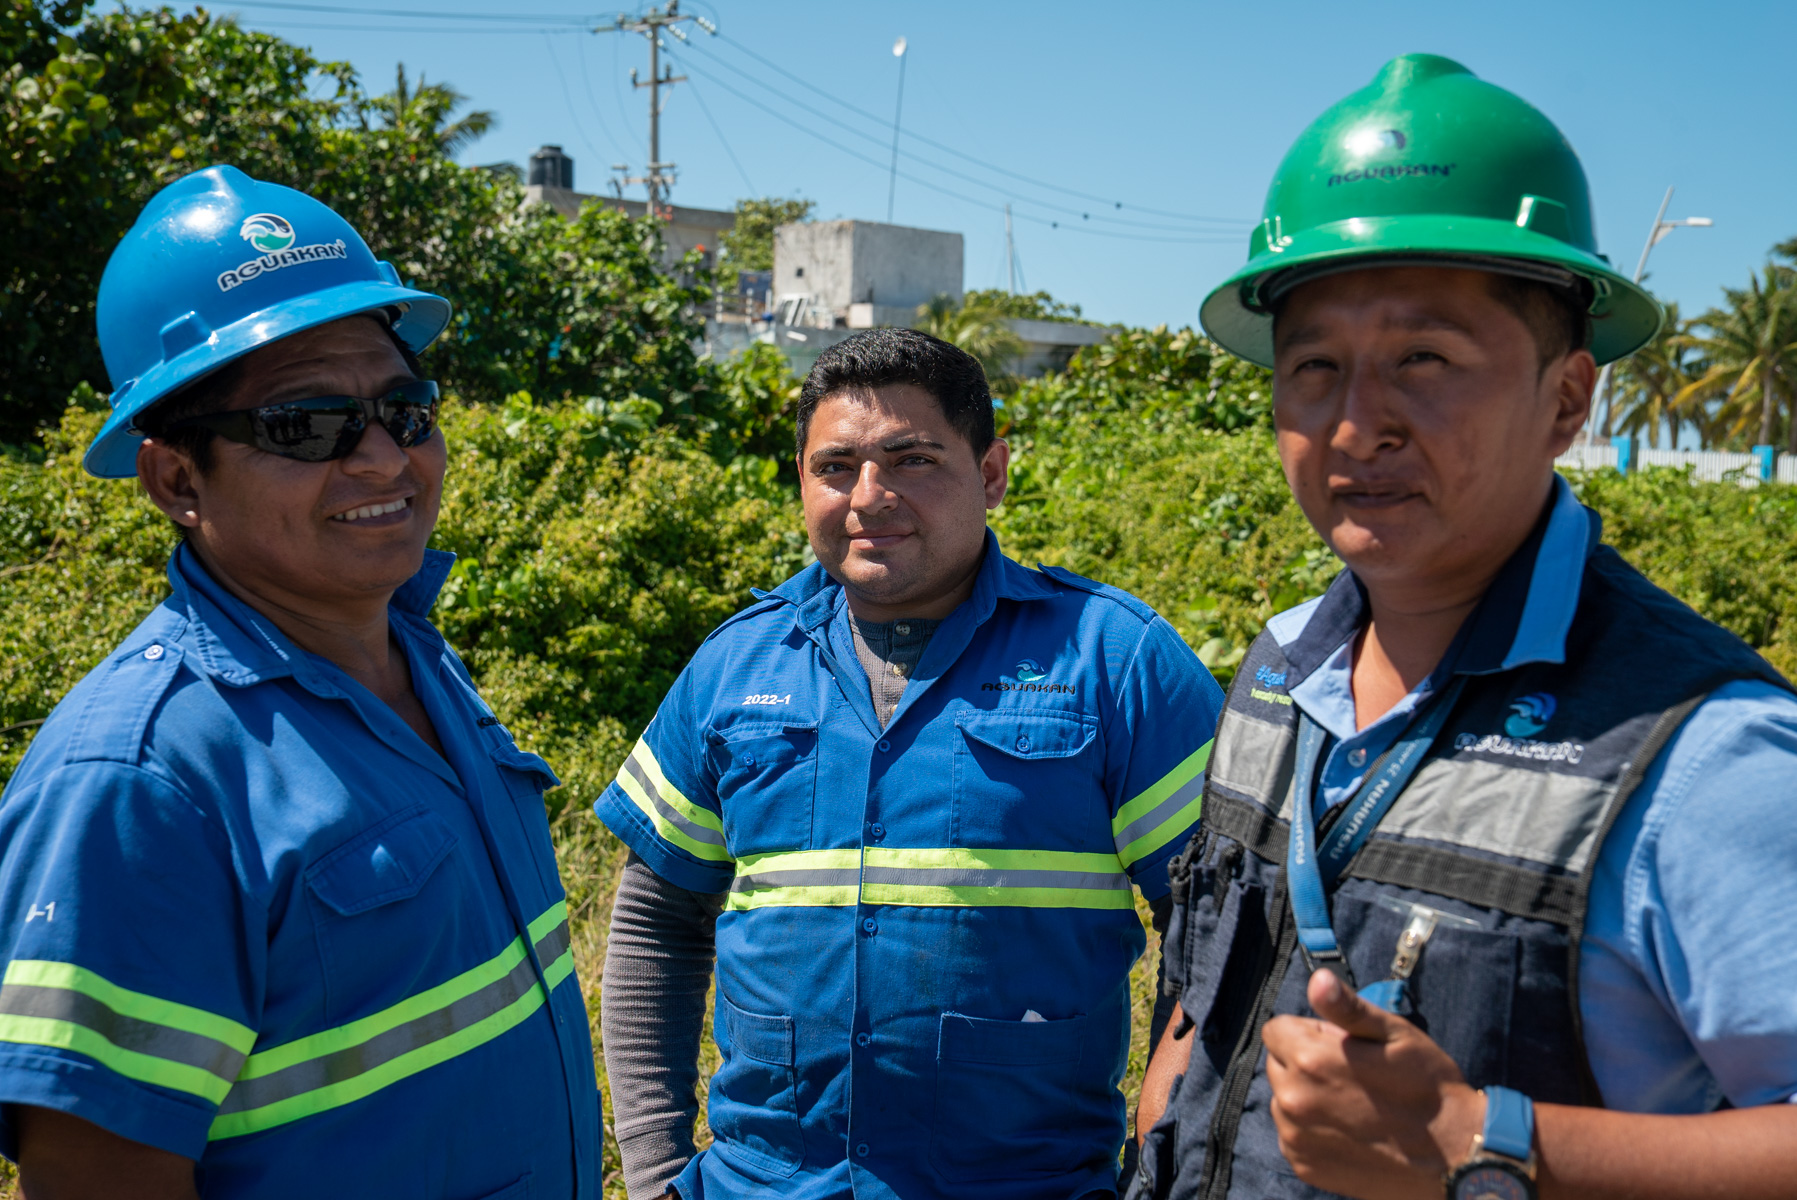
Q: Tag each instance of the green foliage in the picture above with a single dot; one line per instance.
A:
(1032, 306)
(749, 244)
(1156, 376)
(980, 330)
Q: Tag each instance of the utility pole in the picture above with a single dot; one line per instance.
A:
(659, 175)
(1010, 253)
(898, 52)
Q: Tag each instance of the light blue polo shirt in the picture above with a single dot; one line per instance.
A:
(923, 961)
(253, 919)
(1688, 972)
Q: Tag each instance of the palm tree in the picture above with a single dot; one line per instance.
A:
(979, 329)
(423, 113)
(1647, 382)
(1751, 349)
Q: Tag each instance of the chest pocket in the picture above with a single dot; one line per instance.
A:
(361, 908)
(767, 785)
(1029, 778)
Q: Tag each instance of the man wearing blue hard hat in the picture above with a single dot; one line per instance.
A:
(282, 912)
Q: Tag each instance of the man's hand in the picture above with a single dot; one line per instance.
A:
(1366, 1104)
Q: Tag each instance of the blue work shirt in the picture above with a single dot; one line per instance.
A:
(253, 919)
(1686, 994)
(923, 961)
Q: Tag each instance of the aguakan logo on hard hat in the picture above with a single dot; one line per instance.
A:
(267, 232)
(274, 236)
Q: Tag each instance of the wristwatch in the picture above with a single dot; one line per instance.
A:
(1502, 1163)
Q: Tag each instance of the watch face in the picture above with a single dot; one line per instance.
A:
(1489, 1183)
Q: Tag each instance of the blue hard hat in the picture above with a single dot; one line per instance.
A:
(217, 265)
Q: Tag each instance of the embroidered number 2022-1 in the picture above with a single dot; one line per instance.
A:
(768, 698)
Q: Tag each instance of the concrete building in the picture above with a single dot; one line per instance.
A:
(861, 274)
(550, 181)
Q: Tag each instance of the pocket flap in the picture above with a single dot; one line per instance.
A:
(1010, 1043)
(1030, 733)
(767, 1039)
(392, 861)
(504, 751)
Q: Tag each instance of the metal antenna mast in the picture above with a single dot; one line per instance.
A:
(898, 51)
(1010, 252)
(659, 176)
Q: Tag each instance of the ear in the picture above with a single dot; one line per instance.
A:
(1573, 381)
(995, 471)
(171, 481)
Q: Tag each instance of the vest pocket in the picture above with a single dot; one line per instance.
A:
(754, 1105)
(767, 783)
(1006, 1098)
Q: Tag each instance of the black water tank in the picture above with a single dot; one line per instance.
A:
(549, 167)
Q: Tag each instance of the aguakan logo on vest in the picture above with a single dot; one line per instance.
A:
(1529, 715)
(1029, 677)
(1273, 679)
(274, 235)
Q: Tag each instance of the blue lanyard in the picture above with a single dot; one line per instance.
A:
(1310, 869)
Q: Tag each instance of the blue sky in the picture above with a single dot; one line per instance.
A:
(1183, 109)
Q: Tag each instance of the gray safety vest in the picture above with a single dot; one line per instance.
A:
(1501, 824)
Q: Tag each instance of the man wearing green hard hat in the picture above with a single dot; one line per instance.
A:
(1491, 893)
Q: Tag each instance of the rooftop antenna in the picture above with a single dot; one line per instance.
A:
(898, 52)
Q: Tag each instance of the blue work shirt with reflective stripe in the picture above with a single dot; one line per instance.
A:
(1686, 993)
(922, 966)
(253, 919)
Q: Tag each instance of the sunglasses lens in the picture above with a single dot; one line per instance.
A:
(411, 413)
(308, 434)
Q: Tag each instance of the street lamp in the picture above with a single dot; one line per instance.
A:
(1661, 227)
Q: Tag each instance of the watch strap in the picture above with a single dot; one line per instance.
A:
(1509, 1124)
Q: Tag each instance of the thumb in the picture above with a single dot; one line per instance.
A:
(1351, 1013)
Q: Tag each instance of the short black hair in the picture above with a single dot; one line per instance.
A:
(1559, 318)
(211, 393)
(881, 357)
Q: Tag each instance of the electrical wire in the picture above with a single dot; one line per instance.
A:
(568, 96)
(771, 65)
(722, 140)
(560, 19)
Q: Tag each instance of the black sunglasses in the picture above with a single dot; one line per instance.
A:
(321, 428)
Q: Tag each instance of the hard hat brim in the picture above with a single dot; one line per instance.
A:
(1624, 317)
(113, 454)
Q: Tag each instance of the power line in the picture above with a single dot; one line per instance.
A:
(722, 140)
(569, 97)
(561, 19)
(341, 28)
(586, 83)
(880, 140)
(970, 158)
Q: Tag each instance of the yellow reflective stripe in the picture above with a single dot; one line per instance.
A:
(1003, 878)
(336, 1066)
(796, 879)
(695, 829)
(1165, 810)
(61, 1006)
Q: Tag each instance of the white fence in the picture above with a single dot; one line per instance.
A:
(1623, 454)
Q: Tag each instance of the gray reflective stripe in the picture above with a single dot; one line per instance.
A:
(822, 877)
(1155, 817)
(692, 829)
(127, 1033)
(1541, 816)
(351, 1061)
(993, 878)
(1253, 758)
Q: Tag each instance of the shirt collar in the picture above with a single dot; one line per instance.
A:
(1524, 616)
(817, 596)
(239, 646)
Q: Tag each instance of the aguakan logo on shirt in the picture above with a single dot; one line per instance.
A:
(1528, 716)
(274, 236)
(1028, 676)
(1273, 679)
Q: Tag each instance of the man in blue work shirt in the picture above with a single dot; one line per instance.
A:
(1498, 834)
(918, 780)
(282, 915)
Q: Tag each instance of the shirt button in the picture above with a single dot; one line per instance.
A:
(1023, 745)
(154, 653)
(862, 1039)
(878, 830)
(898, 668)
(882, 745)
(748, 760)
(1357, 757)
(862, 1150)
(872, 926)
(903, 629)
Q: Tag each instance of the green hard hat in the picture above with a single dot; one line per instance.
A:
(1428, 165)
